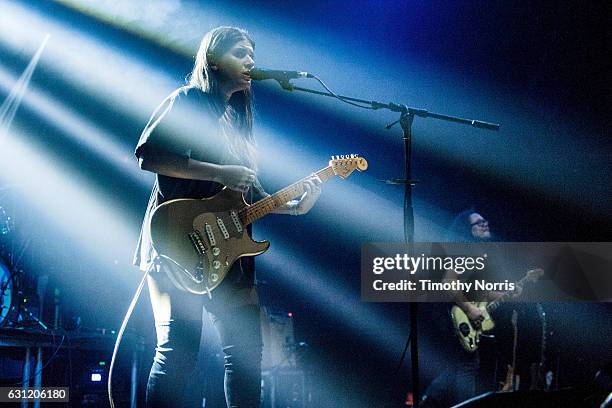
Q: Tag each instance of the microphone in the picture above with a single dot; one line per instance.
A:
(260, 74)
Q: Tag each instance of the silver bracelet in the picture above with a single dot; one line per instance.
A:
(293, 207)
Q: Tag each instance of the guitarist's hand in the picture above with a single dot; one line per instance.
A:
(237, 178)
(475, 315)
(517, 292)
(312, 185)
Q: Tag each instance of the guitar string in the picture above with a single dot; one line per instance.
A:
(269, 203)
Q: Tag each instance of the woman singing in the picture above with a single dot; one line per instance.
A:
(198, 141)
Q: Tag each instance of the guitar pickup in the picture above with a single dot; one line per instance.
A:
(211, 236)
(222, 228)
(197, 242)
(236, 221)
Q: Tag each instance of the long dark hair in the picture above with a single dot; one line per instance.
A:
(237, 117)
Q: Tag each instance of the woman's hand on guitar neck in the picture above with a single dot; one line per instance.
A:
(312, 185)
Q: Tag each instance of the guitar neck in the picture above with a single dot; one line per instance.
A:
(515, 341)
(267, 205)
(491, 307)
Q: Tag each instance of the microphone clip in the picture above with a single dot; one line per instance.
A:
(285, 84)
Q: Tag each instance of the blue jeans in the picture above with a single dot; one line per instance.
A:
(178, 322)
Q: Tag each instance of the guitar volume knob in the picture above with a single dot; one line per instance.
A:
(216, 251)
(216, 264)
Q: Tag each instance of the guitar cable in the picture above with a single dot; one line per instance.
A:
(341, 98)
(121, 332)
(175, 282)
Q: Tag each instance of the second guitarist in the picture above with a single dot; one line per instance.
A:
(458, 380)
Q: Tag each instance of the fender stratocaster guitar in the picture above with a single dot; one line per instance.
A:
(538, 370)
(201, 239)
(512, 379)
(469, 333)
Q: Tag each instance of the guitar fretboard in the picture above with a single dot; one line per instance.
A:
(267, 205)
(496, 303)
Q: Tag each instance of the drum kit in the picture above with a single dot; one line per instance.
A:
(13, 310)
(22, 289)
(7, 280)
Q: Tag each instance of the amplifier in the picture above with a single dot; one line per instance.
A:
(283, 387)
(79, 361)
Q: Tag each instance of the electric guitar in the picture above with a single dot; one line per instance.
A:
(201, 239)
(468, 332)
(511, 383)
(538, 369)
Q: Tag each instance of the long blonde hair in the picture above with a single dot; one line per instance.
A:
(237, 116)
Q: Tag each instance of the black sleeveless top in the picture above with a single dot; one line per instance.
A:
(187, 124)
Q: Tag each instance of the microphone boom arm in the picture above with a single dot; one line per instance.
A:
(394, 107)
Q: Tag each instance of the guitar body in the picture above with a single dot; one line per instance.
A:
(509, 384)
(468, 335)
(202, 239)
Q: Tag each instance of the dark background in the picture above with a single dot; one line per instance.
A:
(541, 63)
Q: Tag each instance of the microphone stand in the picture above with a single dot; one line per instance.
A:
(406, 119)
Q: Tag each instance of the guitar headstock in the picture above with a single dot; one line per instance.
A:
(344, 164)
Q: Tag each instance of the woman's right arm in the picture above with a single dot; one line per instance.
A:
(234, 177)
